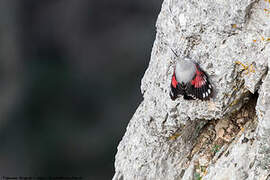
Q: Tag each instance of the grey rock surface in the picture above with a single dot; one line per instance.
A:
(263, 130)
(250, 160)
(229, 39)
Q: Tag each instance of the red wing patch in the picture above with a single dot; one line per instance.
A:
(199, 86)
(174, 81)
(176, 89)
(199, 80)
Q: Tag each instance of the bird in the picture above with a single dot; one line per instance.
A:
(190, 81)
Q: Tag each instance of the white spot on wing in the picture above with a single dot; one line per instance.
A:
(209, 91)
(202, 83)
(203, 95)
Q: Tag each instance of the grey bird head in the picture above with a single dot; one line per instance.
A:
(185, 70)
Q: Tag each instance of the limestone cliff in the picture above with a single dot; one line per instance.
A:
(224, 138)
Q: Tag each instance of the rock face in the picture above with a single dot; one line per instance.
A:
(224, 138)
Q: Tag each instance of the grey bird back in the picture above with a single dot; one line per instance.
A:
(185, 71)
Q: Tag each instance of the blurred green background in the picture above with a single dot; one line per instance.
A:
(70, 73)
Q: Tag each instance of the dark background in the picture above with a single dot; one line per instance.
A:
(70, 73)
